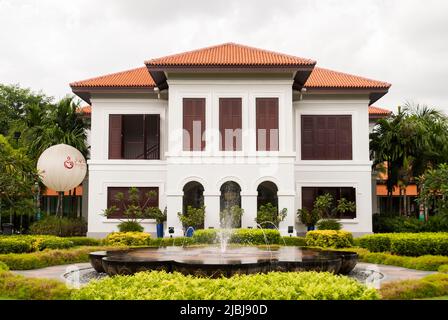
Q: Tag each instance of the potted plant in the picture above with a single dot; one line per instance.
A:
(192, 219)
(320, 209)
(308, 217)
(159, 216)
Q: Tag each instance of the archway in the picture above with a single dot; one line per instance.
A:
(193, 195)
(230, 204)
(267, 193)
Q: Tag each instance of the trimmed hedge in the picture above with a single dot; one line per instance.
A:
(84, 241)
(407, 244)
(18, 287)
(434, 285)
(128, 239)
(293, 241)
(426, 263)
(30, 243)
(47, 258)
(175, 286)
(3, 266)
(240, 236)
(329, 239)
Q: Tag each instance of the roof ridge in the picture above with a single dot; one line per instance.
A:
(310, 61)
(107, 75)
(353, 75)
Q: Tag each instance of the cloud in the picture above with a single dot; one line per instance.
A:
(48, 43)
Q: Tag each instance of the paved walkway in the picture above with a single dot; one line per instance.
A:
(390, 273)
(55, 272)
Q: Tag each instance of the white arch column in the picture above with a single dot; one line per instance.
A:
(249, 205)
(174, 205)
(287, 200)
(211, 202)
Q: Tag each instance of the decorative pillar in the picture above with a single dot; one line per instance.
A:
(287, 200)
(174, 205)
(249, 205)
(211, 202)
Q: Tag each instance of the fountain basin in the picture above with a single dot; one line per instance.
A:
(212, 262)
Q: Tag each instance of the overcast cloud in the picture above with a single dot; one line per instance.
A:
(45, 44)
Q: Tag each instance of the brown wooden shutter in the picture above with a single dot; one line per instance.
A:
(193, 111)
(326, 137)
(230, 119)
(344, 137)
(115, 136)
(267, 120)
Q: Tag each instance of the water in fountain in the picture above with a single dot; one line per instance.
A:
(185, 235)
(272, 223)
(265, 238)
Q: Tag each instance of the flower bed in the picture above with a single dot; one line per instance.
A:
(174, 286)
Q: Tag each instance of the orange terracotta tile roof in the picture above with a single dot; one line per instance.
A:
(325, 78)
(138, 77)
(229, 54)
(319, 78)
(85, 109)
(378, 111)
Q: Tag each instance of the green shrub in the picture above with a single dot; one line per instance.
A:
(240, 236)
(328, 224)
(443, 268)
(14, 245)
(231, 217)
(84, 241)
(375, 243)
(29, 243)
(130, 226)
(193, 217)
(205, 236)
(329, 239)
(47, 258)
(63, 227)
(166, 242)
(3, 266)
(427, 262)
(434, 285)
(293, 241)
(407, 244)
(128, 239)
(18, 287)
(275, 285)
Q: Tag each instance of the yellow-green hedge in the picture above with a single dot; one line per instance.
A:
(329, 239)
(128, 239)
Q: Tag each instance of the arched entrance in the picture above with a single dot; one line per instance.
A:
(230, 202)
(267, 193)
(193, 195)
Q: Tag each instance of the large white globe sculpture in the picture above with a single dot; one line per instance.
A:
(62, 167)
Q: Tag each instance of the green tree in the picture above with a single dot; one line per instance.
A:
(409, 142)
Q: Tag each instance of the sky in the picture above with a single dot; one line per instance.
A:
(46, 44)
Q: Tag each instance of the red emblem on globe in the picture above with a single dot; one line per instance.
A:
(69, 164)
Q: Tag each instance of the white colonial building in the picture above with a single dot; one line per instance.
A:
(230, 124)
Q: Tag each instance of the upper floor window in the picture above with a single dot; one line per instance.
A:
(230, 124)
(193, 124)
(326, 137)
(134, 136)
(267, 124)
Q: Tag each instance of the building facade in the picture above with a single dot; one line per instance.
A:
(230, 125)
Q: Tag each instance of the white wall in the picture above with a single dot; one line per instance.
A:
(341, 173)
(247, 167)
(104, 173)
